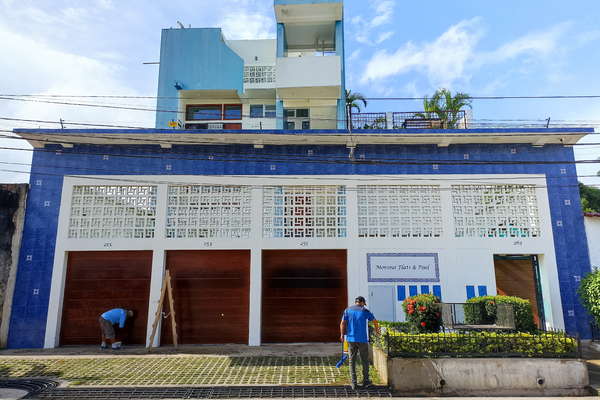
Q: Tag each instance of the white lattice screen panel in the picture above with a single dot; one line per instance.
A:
(495, 211)
(304, 212)
(209, 211)
(399, 211)
(259, 74)
(112, 212)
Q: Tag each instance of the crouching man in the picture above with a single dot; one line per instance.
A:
(107, 321)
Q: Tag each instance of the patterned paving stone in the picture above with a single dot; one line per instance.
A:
(181, 370)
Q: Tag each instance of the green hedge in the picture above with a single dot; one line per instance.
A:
(477, 344)
(486, 313)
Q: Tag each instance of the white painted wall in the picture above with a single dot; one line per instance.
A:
(308, 71)
(592, 230)
(462, 261)
(255, 52)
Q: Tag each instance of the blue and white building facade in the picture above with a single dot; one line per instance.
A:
(252, 153)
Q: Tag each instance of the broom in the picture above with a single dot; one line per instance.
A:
(344, 355)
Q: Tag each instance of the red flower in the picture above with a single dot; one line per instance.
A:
(423, 324)
(422, 308)
(411, 311)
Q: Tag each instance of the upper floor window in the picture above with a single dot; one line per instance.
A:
(212, 112)
(232, 111)
(204, 112)
(262, 111)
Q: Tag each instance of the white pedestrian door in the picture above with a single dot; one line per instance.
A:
(382, 302)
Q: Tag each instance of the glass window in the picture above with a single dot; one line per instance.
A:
(204, 112)
(302, 113)
(305, 125)
(290, 125)
(233, 111)
(290, 113)
(270, 111)
(256, 110)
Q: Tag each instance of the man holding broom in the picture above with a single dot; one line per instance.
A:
(354, 328)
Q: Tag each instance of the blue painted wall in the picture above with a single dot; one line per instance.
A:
(28, 319)
(197, 58)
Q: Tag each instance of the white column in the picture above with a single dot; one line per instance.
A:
(158, 262)
(357, 285)
(156, 279)
(55, 304)
(254, 317)
(254, 325)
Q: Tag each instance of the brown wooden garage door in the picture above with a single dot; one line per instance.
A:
(211, 290)
(303, 295)
(98, 281)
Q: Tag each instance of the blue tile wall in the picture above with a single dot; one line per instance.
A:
(28, 318)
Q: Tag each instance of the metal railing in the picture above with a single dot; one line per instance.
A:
(473, 344)
(410, 120)
(369, 121)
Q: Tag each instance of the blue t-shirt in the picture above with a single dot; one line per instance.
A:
(116, 316)
(356, 318)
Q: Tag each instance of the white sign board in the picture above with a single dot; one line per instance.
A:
(403, 267)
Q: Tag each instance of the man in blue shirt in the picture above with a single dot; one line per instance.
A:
(107, 320)
(354, 327)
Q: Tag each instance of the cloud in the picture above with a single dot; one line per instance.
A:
(538, 43)
(247, 25)
(443, 60)
(382, 12)
(453, 56)
(36, 67)
(383, 37)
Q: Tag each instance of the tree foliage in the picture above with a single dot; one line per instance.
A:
(589, 293)
(590, 198)
(353, 100)
(445, 107)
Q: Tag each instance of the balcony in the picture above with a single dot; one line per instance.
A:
(410, 120)
(308, 71)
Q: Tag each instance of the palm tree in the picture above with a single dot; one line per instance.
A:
(445, 107)
(352, 101)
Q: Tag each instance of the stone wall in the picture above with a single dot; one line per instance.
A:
(12, 211)
(483, 376)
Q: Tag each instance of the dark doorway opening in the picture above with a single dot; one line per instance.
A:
(519, 275)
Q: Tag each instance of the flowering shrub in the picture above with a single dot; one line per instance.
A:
(423, 312)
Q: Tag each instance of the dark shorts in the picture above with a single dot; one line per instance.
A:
(107, 328)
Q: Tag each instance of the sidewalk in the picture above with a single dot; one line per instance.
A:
(229, 365)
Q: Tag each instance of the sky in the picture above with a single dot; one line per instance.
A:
(393, 49)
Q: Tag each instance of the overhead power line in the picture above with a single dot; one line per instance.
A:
(283, 158)
(565, 96)
(369, 181)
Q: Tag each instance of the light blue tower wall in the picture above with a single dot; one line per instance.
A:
(195, 59)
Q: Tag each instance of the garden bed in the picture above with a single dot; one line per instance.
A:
(479, 363)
